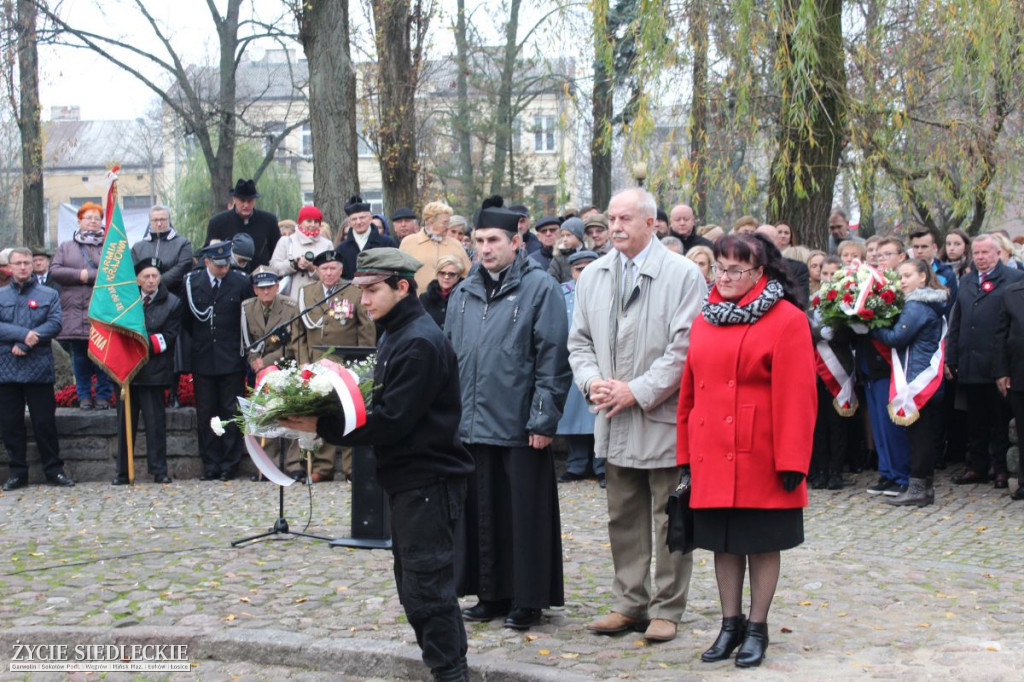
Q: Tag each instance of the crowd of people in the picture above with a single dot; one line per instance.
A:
(657, 348)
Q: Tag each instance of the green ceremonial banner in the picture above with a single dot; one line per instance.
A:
(118, 341)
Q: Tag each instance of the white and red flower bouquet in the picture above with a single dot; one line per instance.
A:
(859, 296)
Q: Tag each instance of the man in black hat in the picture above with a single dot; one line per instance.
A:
(41, 269)
(214, 294)
(404, 223)
(508, 326)
(243, 216)
(421, 464)
(362, 235)
(530, 241)
(146, 390)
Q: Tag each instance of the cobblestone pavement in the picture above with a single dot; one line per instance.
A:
(876, 592)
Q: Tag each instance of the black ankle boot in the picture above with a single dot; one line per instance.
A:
(755, 642)
(728, 639)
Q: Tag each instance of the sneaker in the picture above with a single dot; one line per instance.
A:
(895, 490)
(880, 487)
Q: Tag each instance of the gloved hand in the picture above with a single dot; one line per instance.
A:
(859, 328)
(791, 479)
(827, 333)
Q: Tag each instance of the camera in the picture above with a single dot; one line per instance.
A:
(309, 255)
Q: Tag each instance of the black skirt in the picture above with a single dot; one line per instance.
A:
(748, 531)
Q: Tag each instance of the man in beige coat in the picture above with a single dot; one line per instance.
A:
(627, 347)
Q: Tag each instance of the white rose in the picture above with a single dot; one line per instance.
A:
(274, 403)
(217, 426)
(320, 385)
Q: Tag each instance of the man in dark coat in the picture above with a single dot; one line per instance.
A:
(214, 294)
(547, 234)
(243, 216)
(172, 250)
(508, 326)
(1009, 363)
(530, 241)
(163, 324)
(683, 225)
(413, 428)
(970, 351)
(41, 269)
(30, 318)
(362, 236)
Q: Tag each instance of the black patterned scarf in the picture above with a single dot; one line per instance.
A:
(725, 313)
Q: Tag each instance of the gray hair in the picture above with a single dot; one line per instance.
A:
(161, 207)
(645, 201)
(21, 250)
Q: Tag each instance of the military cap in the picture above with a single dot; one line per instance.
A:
(583, 255)
(245, 189)
(500, 218)
(219, 253)
(148, 263)
(328, 256)
(403, 214)
(242, 246)
(377, 265)
(263, 277)
(355, 204)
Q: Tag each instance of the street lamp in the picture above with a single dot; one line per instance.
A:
(640, 172)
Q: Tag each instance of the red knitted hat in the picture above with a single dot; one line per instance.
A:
(310, 213)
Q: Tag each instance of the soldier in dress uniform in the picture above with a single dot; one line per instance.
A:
(214, 294)
(163, 325)
(268, 312)
(340, 320)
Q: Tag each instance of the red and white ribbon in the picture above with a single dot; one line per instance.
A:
(907, 398)
(859, 304)
(839, 383)
(264, 463)
(346, 386)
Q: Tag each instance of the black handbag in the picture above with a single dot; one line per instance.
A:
(680, 517)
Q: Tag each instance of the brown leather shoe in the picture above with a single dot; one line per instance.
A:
(320, 478)
(660, 630)
(614, 623)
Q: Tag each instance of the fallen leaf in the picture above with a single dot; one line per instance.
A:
(805, 603)
(950, 614)
(785, 630)
(531, 637)
(244, 600)
(300, 600)
(230, 616)
(924, 625)
(570, 656)
(342, 588)
(543, 652)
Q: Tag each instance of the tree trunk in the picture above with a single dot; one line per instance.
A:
(323, 31)
(398, 65)
(32, 217)
(223, 168)
(503, 112)
(699, 109)
(601, 107)
(807, 160)
(462, 114)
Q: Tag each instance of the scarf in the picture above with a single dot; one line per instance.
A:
(312, 234)
(726, 313)
(89, 238)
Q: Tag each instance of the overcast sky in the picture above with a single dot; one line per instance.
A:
(76, 77)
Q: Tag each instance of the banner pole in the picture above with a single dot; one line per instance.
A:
(127, 401)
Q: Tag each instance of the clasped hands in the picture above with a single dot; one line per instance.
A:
(611, 395)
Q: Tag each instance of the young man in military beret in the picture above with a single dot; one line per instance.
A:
(421, 464)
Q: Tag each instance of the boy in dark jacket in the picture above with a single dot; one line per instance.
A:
(163, 324)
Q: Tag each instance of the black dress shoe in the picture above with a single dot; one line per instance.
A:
(729, 637)
(970, 476)
(62, 480)
(15, 482)
(487, 610)
(1002, 482)
(602, 481)
(1017, 494)
(522, 619)
(208, 476)
(569, 477)
(227, 477)
(755, 642)
(162, 478)
(119, 480)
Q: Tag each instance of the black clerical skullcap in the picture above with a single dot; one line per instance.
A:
(356, 205)
(500, 218)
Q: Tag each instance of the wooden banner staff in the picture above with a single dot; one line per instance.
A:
(127, 402)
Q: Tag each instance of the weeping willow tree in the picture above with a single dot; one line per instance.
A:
(280, 192)
(935, 99)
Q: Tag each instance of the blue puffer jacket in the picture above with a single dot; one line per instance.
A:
(25, 308)
(917, 331)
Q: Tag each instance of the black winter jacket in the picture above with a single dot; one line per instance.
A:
(971, 346)
(413, 424)
(348, 249)
(163, 320)
(262, 227)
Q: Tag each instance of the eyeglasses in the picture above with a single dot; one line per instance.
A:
(448, 275)
(547, 230)
(731, 275)
(160, 220)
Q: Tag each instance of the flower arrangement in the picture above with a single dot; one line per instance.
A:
(859, 296)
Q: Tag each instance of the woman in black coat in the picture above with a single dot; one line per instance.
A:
(1009, 364)
(435, 299)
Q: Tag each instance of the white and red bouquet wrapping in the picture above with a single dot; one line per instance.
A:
(859, 295)
(315, 389)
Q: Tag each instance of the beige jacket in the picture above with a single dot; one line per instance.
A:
(644, 346)
(254, 327)
(427, 251)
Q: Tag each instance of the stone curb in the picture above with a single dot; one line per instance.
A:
(358, 657)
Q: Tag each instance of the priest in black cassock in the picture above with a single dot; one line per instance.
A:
(243, 216)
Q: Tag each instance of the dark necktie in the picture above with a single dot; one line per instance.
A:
(216, 287)
(146, 299)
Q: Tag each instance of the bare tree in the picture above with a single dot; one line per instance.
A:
(211, 117)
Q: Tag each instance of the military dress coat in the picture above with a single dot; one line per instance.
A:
(215, 323)
(256, 324)
(339, 321)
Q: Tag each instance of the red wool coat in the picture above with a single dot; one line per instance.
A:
(747, 406)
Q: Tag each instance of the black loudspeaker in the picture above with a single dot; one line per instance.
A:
(371, 520)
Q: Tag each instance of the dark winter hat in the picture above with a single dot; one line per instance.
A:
(328, 256)
(356, 204)
(521, 210)
(245, 189)
(242, 246)
(583, 255)
(219, 253)
(547, 220)
(500, 218)
(403, 214)
(40, 251)
(662, 216)
(264, 277)
(148, 263)
(377, 265)
(574, 225)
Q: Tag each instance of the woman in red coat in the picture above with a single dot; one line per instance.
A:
(747, 406)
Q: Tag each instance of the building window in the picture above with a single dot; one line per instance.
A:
(543, 133)
(142, 201)
(307, 140)
(307, 198)
(545, 195)
(375, 198)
